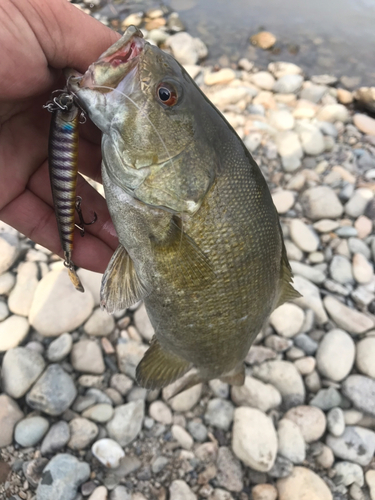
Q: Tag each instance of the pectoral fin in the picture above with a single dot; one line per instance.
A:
(287, 292)
(121, 286)
(159, 368)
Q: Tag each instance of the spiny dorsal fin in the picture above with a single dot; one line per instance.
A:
(121, 286)
(287, 292)
(159, 368)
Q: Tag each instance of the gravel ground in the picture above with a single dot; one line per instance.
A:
(73, 422)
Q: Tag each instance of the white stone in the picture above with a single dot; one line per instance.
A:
(255, 449)
(333, 112)
(91, 281)
(346, 318)
(264, 492)
(326, 225)
(341, 269)
(256, 394)
(321, 202)
(310, 298)
(287, 320)
(108, 452)
(143, 323)
(100, 323)
(179, 490)
(82, 433)
(21, 367)
(12, 331)
(185, 48)
(370, 480)
(290, 149)
(288, 84)
(160, 412)
(281, 68)
(263, 80)
(21, 297)
(335, 355)
(221, 77)
(303, 236)
(311, 273)
(283, 200)
(303, 484)
(100, 413)
(310, 419)
(184, 401)
(291, 443)
(100, 493)
(281, 119)
(7, 282)
(182, 437)
(87, 357)
(305, 365)
(336, 422)
(358, 202)
(365, 356)
(363, 270)
(9, 250)
(312, 139)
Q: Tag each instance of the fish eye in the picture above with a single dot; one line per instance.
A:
(166, 94)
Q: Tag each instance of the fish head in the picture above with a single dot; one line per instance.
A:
(147, 107)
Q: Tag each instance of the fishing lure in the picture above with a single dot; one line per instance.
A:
(63, 170)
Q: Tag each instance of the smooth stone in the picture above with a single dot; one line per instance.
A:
(121, 383)
(108, 452)
(335, 355)
(82, 433)
(221, 77)
(364, 226)
(127, 422)
(291, 443)
(361, 392)
(186, 49)
(312, 92)
(160, 412)
(21, 297)
(281, 468)
(100, 323)
(182, 437)
(129, 354)
(61, 478)
(229, 472)
(186, 400)
(264, 39)
(321, 202)
(358, 202)
(264, 492)
(120, 493)
(346, 232)
(219, 388)
(336, 422)
(100, 493)
(263, 79)
(325, 458)
(255, 449)
(60, 348)
(290, 149)
(305, 365)
(197, 430)
(56, 438)
(303, 236)
(288, 84)
(312, 139)
(100, 413)
(281, 119)
(7, 282)
(53, 393)
(281, 68)
(219, 413)
(293, 252)
(10, 414)
(287, 320)
(341, 269)
(256, 394)
(30, 431)
(348, 473)
(370, 481)
(333, 113)
(91, 281)
(310, 298)
(303, 483)
(326, 399)
(9, 250)
(311, 273)
(21, 368)
(363, 270)
(253, 141)
(310, 419)
(57, 307)
(346, 318)
(143, 323)
(12, 332)
(356, 445)
(365, 356)
(308, 345)
(285, 377)
(179, 490)
(86, 356)
(159, 464)
(364, 123)
(283, 201)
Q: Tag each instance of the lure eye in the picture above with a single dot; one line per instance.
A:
(166, 94)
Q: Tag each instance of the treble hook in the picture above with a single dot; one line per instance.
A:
(81, 219)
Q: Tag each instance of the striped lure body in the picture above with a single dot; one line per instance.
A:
(63, 169)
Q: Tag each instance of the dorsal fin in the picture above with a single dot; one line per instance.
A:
(287, 292)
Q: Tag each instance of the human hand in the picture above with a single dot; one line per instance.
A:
(39, 38)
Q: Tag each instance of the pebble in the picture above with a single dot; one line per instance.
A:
(57, 307)
(285, 377)
(326, 399)
(121, 383)
(287, 320)
(100, 413)
(341, 269)
(30, 431)
(290, 150)
(126, 423)
(21, 368)
(280, 68)
(197, 430)
(253, 141)
(361, 392)
(357, 246)
(160, 412)
(370, 481)
(364, 123)
(264, 40)
(56, 438)
(229, 471)
(311, 273)
(264, 80)
(333, 113)
(99, 323)
(312, 139)
(100, 493)
(291, 443)
(325, 458)
(283, 201)
(182, 437)
(356, 445)
(336, 422)
(186, 400)
(82, 433)
(179, 490)
(221, 77)
(62, 477)
(9, 250)
(108, 452)
(363, 270)
(256, 394)
(10, 414)
(310, 420)
(86, 356)
(306, 343)
(60, 348)
(365, 356)
(219, 413)
(303, 483)
(312, 92)
(159, 464)
(344, 96)
(310, 298)
(219, 388)
(348, 473)
(7, 282)
(305, 365)
(13, 330)
(303, 236)
(186, 49)
(346, 318)
(321, 202)
(335, 355)
(364, 226)
(21, 297)
(54, 391)
(143, 323)
(358, 202)
(129, 354)
(288, 84)
(264, 492)
(91, 282)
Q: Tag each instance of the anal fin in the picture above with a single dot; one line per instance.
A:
(159, 368)
(287, 292)
(121, 286)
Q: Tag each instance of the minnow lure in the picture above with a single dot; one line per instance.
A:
(63, 170)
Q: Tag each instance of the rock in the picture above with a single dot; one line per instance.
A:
(287, 320)
(288, 84)
(370, 480)
(21, 367)
(219, 413)
(335, 355)
(221, 77)
(263, 80)
(197, 430)
(12, 331)
(333, 112)
(61, 478)
(306, 343)
(60, 348)
(303, 483)
(82, 433)
(344, 96)
(121, 383)
(182, 437)
(99, 323)
(120, 493)
(186, 49)
(179, 490)
(56, 307)
(219, 388)
(285, 377)
(310, 420)
(348, 473)
(363, 270)
(312, 139)
(56, 438)
(4, 311)
(358, 202)
(91, 282)
(364, 123)
(326, 457)
(86, 356)
(283, 201)
(346, 318)
(303, 236)
(129, 354)
(291, 442)
(310, 298)
(365, 356)
(127, 422)
(326, 399)
(356, 445)
(279, 69)
(33, 469)
(336, 422)
(341, 269)
(9, 250)
(290, 150)
(357, 246)
(21, 297)
(264, 492)
(281, 468)
(229, 471)
(30, 431)
(100, 413)
(256, 394)
(255, 449)
(7, 282)
(100, 493)
(311, 273)
(366, 96)
(143, 323)
(10, 414)
(321, 202)
(363, 225)
(253, 141)
(184, 401)
(305, 365)
(313, 93)
(361, 392)
(160, 412)
(264, 40)
(108, 452)
(53, 392)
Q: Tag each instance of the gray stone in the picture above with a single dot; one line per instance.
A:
(335, 355)
(219, 388)
(348, 473)
(321, 202)
(158, 464)
(100, 413)
(326, 399)
(313, 93)
(365, 356)
(53, 393)
(197, 430)
(288, 84)
(82, 433)
(229, 471)
(21, 368)
(336, 422)
(291, 443)
(60, 348)
(310, 298)
(312, 139)
(281, 468)
(219, 413)
(256, 394)
(33, 470)
(10, 414)
(341, 270)
(160, 412)
(120, 493)
(179, 490)
(358, 246)
(311, 273)
(61, 478)
(121, 383)
(87, 357)
(30, 431)
(127, 422)
(346, 318)
(56, 438)
(358, 202)
(346, 232)
(356, 445)
(361, 392)
(129, 354)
